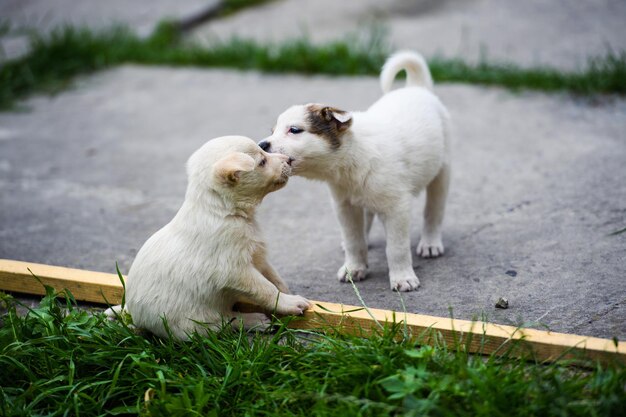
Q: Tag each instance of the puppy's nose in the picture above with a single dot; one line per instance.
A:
(290, 160)
(265, 145)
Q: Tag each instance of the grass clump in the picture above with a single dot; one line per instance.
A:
(60, 360)
(605, 74)
(55, 59)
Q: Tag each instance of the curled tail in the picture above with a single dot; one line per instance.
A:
(417, 72)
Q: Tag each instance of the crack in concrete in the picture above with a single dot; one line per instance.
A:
(510, 209)
(477, 230)
(601, 314)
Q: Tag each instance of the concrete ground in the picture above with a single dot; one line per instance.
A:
(538, 183)
(538, 186)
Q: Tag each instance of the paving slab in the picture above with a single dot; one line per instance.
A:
(558, 33)
(141, 16)
(538, 185)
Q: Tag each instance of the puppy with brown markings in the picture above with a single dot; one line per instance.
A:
(211, 255)
(375, 162)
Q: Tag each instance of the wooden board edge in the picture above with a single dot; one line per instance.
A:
(90, 286)
(479, 337)
(476, 337)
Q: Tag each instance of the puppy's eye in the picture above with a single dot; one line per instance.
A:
(263, 162)
(295, 130)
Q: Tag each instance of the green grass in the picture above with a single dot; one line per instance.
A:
(229, 7)
(58, 360)
(55, 60)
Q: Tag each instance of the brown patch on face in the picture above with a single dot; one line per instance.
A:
(324, 121)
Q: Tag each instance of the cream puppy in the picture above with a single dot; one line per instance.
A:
(375, 162)
(211, 255)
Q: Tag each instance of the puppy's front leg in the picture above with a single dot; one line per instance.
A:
(354, 241)
(260, 262)
(256, 289)
(401, 274)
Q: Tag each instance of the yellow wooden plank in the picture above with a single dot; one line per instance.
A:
(89, 286)
(479, 337)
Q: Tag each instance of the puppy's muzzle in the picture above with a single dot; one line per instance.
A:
(265, 145)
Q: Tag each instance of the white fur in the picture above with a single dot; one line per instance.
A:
(390, 153)
(417, 73)
(211, 256)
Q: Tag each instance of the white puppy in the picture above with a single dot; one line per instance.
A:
(211, 256)
(375, 162)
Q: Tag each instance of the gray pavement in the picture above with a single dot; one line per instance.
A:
(538, 185)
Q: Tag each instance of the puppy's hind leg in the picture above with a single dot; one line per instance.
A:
(252, 321)
(113, 312)
(369, 220)
(401, 274)
(431, 245)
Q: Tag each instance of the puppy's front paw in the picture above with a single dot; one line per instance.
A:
(430, 247)
(355, 272)
(292, 304)
(404, 282)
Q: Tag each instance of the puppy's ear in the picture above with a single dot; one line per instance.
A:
(228, 170)
(341, 118)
